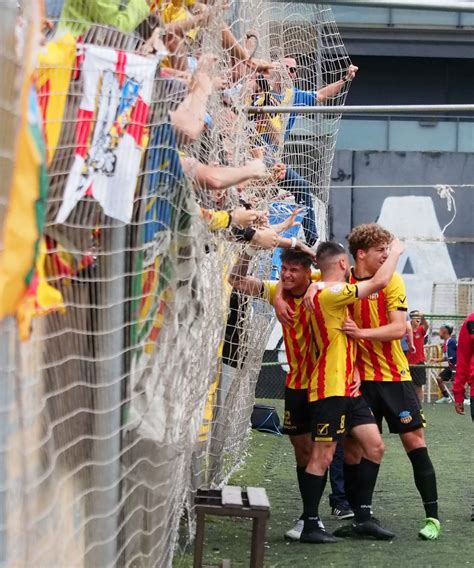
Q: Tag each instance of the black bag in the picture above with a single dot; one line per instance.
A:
(265, 419)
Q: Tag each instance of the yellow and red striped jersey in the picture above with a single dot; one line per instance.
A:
(380, 360)
(334, 371)
(299, 344)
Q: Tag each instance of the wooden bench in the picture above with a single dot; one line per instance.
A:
(233, 502)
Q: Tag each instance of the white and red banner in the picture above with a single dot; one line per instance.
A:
(110, 131)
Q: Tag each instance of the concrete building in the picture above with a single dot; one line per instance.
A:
(414, 174)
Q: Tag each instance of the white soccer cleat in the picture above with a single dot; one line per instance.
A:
(467, 402)
(295, 532)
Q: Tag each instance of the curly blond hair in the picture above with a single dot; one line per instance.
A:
(367, 236)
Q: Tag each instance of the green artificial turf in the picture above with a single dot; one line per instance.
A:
(396, 503)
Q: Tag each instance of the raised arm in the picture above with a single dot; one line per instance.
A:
(335, 88)
(241, 282)
(396, 328)
(383, 275)
(188, 118)
(222, 177)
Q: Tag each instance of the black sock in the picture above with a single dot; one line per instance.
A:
(300, 471)
(326, 475)
(425, 480)
(351, 477)
(313, 487)
(368, 472)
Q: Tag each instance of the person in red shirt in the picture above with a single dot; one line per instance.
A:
(465, 365)
(465, 370)
(417, 358)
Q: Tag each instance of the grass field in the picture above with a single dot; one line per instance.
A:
(396, 502)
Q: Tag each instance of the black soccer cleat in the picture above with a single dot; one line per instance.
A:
(351, 531)
(371, 529)
(343, 532)
(318, 536)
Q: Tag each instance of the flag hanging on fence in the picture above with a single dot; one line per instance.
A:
(110, 131)
(55, 65)
(166, 215)
(26, 207)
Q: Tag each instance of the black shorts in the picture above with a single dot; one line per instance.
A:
(397, 402)
(333, 417)
(446, 374)
(297, 415)
(418, 375)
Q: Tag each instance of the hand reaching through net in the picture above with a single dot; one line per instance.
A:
(242, 217)
(260, 65)
(351, 73)
(279, 171)
(289, 221)
(265, 238)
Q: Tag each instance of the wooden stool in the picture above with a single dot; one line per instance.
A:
(233, 502)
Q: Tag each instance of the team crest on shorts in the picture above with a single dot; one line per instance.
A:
(405, 417)
(322, 429)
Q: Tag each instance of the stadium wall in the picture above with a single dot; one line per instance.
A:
(399, 189)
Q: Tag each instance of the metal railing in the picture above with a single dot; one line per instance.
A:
(363, 109)
(442, 5)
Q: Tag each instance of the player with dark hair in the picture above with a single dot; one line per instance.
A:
(295, 278)
(336, 407)
(378, 322)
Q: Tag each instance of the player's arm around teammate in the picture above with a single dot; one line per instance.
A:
(301, 355)
(377, 323)
(334, 409)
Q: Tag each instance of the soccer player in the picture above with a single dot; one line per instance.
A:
(378, 322)
(335, 408)
(295, 278)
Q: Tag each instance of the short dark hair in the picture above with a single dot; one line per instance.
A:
(292, 256)
(328, 250)
(448, 328)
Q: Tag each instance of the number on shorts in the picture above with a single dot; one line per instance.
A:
(343, 422)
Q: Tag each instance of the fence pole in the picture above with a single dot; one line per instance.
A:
(441, 5)
(104, 500)
(7, 368)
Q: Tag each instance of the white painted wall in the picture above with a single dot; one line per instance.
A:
(414, 219)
